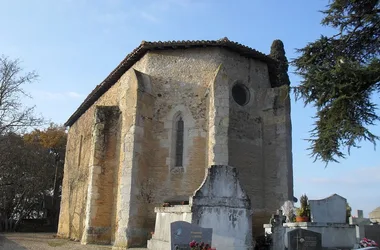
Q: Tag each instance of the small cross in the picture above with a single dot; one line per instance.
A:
(299, 239)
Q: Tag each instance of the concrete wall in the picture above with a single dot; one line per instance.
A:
(195, 84)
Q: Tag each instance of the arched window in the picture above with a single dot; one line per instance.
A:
(179, 142)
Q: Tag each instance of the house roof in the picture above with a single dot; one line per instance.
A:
(144, 47)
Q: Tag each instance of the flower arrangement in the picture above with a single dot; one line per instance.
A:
(368, 243)
(200, 246)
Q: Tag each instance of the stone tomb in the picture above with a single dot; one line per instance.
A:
(219, 203)
(328, 219)
(301, 239)
(182, 233)
(329, 210)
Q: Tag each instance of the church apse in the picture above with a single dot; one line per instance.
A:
(183, 106)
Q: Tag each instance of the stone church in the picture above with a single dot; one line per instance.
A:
(149, 131)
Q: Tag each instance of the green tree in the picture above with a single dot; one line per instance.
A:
(340, 74)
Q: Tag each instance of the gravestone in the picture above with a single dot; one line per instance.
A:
(329, 210)
(182, 233)
(301, 239)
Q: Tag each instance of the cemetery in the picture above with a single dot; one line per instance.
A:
(219, 216)
(328, 226)
(189, 143)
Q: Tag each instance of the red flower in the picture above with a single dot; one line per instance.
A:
(192, 244)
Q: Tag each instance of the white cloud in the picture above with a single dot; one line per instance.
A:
(149, 17)
(154, 11)
(112, 17)
(74, 95)
(359, 176)
(57, 96)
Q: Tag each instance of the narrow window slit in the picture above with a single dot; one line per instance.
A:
(179, 143)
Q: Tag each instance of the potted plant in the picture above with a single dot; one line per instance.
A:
(348, 213)
(303, 213)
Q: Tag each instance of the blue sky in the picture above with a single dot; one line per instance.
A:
(74, 44)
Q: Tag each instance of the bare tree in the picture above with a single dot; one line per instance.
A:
(13, 115)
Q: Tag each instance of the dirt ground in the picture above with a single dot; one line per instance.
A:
(43, 241)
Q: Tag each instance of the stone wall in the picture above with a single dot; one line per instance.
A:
(258, 133)
(179, 81)
(103, 167)
(78, 161)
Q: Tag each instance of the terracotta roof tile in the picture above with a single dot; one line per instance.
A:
(145, 46)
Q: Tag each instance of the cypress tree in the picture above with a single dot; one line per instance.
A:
(280, 75)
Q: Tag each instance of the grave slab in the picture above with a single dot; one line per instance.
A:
(182, 233)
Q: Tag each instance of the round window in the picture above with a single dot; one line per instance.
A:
(240, 93)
